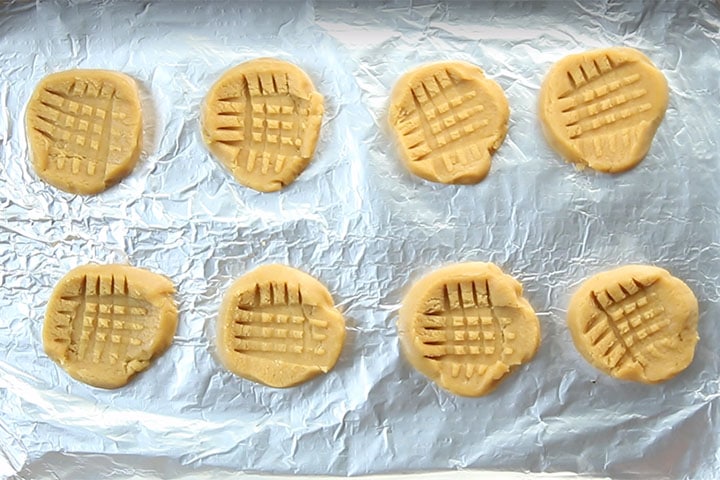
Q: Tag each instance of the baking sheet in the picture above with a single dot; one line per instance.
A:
(366, 228)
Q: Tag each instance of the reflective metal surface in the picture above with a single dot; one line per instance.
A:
(365, 227)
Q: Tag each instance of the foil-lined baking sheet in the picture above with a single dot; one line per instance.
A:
(359, 222)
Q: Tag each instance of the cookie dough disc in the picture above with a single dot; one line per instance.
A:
(467, 326)
(601, 108)
(636, 323)
(448, 119)
(262, 121)
(84, 128)
(278, 326)
(105, 323)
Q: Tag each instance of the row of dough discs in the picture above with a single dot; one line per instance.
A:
(464, 326)
(262, 120)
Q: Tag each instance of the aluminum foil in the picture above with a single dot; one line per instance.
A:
(358, 221)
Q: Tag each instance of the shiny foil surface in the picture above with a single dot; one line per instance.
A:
(366, 228)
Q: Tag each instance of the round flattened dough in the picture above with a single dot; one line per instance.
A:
(262, 121)
(467, 326)
(601, 108)
(85, 129)
(105, 323)
(635, 322)
(279, 326)
(448, 119)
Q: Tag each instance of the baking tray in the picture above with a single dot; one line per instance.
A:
(358, 221)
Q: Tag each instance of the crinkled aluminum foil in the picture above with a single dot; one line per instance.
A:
(358, 221)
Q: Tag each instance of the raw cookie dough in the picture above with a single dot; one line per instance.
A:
(105, 323)
(466, 326)
(635, 322)
(279, 326)
(262, 121)
(601, 108)
(448, 119)
(85, 129)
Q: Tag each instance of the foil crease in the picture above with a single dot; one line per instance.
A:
(364, 226)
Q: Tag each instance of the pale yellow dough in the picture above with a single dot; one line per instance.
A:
(636, 322)
(467, 326)
(448, 119)
(279, 326)
(262, 121)
(105, 323)
(601, 108)
(85, 129)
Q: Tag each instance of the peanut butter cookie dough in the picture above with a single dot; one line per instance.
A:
(448, 119)
(635, 322)
(262, 121)
(279, 326)
(601, 108)
(84, 128)
(105, 323)
(467, 326)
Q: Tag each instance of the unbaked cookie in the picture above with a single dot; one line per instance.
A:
(467, 326)
(262, 121)
(105, 323)
(636, 322)
(601, 108)
(448, 119)
(279, 326)
(85, 129)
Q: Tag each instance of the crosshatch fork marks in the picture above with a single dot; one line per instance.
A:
(266, 125)
(602, 104)
(601, 98)
(105, 320)
(279, 322)
(443, 124)
(79, 124)
(468, 331)
(625, 325)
